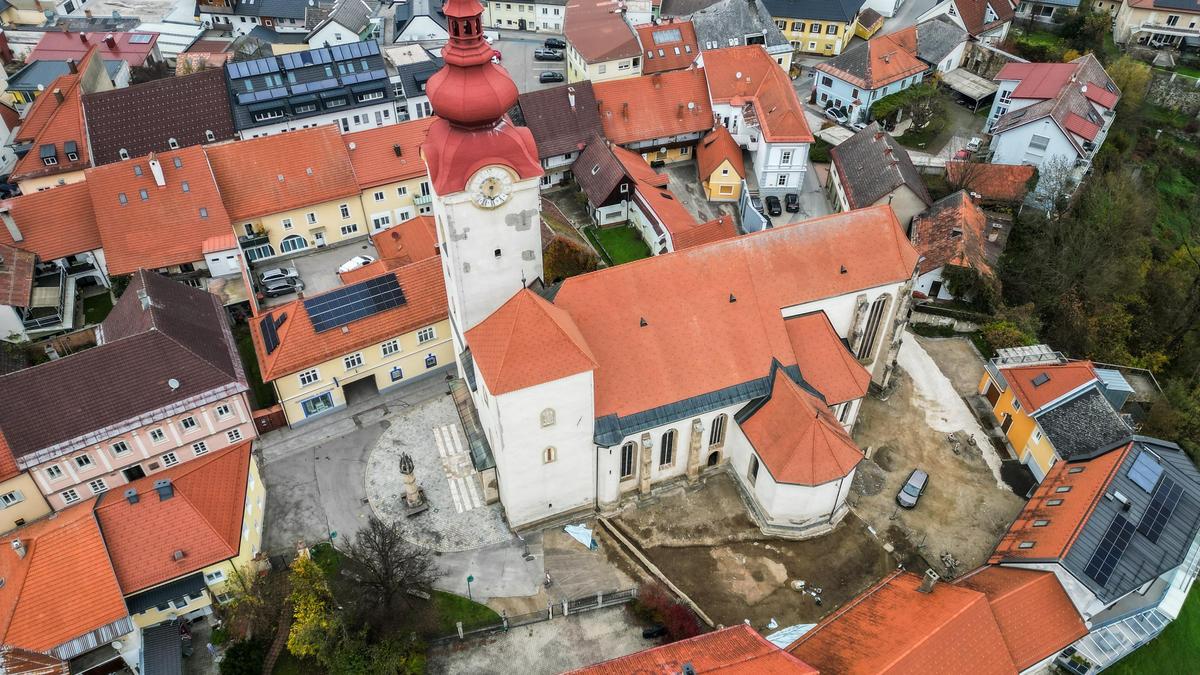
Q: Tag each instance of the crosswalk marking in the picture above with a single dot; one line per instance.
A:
(441, 444)
(456, 464)
(458, 505)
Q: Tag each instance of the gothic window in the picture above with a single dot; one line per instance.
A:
(549, 455)
(752, 474)
(666, 452)
(716, 436)
(548, 417)
(873, 327)
(628, 452)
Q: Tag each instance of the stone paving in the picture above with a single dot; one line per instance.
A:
(458, 519)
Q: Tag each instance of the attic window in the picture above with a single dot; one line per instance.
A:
(123, 153)
(1041, 379)
(122, 198)
(49, 155)
(72, 150)
(956, 232)
(209, 135)
(186, 187)
(1076, 469)
(595, 169)
(1025, 545)
(203, 212)
(144, 195)
(1063, 488)
(1041, 523)
(137, 169)
(1054, 502)
(178, 162)
(173, 143)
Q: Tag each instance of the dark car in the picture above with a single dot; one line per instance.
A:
(791, 202)
(774, 208)
(757, 204)
(551, 76)
(278, 287)
(547, 55)
(913, 488)
(555, 43)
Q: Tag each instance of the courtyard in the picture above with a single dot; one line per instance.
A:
(620, 244)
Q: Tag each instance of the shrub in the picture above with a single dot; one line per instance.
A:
(1004, 334)
(655, 605)
(681, 622)
(244, 658)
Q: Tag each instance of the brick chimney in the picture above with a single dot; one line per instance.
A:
(10, 224)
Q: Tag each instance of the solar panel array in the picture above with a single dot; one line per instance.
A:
(311, 57)
(270, 336)
(1162, 505)
(1110, 550)
(262, 95)
(242, 69)
(353, 78)
(1145, 471)
(662, 37)
(355, 50)
(308, 87)
(358, 301)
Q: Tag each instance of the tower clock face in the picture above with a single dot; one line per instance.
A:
(490, 187)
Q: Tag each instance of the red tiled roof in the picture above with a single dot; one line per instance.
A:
(893, 628)
(953, 232)
(170, 225)
(1038, 80)
(824, 361)
(714, 149)
(1068, 93)
(1035, 615)
(512, 345)
(654, 106)
(761, 82)
(16, 276)
(52, 123)
(651, 193)
(374, 157)
(669, 45)
(764, 272)
(737, 650)
(54, 223)
(414, 239)
(63, 550)
(60, 46)
(1081, 127)
(973, 13)
(798, 438)
(889, 58)
(314, 165)
(203, 519)
(997, 182)
(597, 31)
(718, 229)
(1063, 378)
(300, 346)
(638, 169)
(1064, 519)
(8, 464)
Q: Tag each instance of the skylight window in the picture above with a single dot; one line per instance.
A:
(1041, 379)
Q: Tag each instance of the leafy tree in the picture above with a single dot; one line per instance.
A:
(245, 657)
(1132, 77)
(1005, 334)
(1085, 30)
(315, 628)
(390, 564)
(257, 599)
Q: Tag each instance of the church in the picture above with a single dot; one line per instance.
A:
(750, 355)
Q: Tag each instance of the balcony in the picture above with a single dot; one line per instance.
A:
(1164, 29)
(252, 241)
(51, 304)
(423, 200)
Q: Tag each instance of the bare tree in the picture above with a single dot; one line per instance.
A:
(390, 565)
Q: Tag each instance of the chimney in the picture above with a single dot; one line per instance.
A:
(10, 224)
(156, 168)
(131, 495)
(164, 489)
(879, 135)
(58, 95)
(83, 37)
(398, 150)
(72, 66)
(625, 110)
(571, 97)
(657, 80)
(18, 548)
(679, 112)
(930, 580)
(87, 13)
(144, 298)
(110, 41)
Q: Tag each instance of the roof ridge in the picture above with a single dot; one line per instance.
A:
(854, 602)
(954, 617)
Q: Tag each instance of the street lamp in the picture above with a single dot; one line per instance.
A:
(469, 580)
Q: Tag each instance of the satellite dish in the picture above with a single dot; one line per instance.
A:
(173, 383)
(117, 645)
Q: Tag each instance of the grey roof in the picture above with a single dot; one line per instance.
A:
(44, 72)
(162, 649)
(1083, 426)
(683, 7)
(269, 36)
(598, 171)
(414, 76)
(824, 10)
(317, 76)
(353, 15)
(558, 126)
(727, 20)
(140, 602)
(1143, 560)
(937, 37)
(871, 164)
(407, 11)
(284, 9)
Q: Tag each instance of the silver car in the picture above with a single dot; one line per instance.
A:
(908, 495)
(277, 273)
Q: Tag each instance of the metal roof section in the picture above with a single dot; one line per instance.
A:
(159, 595)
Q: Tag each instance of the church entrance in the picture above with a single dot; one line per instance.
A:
(713, 458)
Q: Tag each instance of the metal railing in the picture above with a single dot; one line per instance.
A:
(553, 609)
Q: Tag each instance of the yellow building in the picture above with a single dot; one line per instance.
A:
(510, 15)
(816, 28)
(720, 166)
(391, 175)
(1041, 406)
(318, 361)
(20, 501)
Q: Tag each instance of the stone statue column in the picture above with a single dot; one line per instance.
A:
(693, 462)
(647, 463)
(412, 495)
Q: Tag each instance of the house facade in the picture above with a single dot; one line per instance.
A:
(871, 169)
(1152, 22)
(817, 28)
(600, 44)
(986, 20)
(734, 23)
(660, 116)
(393, 180)
(543, 16)
(720, 166)
(563, 120)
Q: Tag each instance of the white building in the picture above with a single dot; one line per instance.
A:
(986, 20)
(419, 21)
(350, 21)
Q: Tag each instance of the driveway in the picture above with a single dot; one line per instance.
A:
(317, 267)
(683, 182)
(517, 59)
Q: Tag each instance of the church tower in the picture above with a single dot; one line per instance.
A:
(485, 174)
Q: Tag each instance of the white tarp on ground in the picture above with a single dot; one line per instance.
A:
(786, 636)
(581, 534)
(965, 82)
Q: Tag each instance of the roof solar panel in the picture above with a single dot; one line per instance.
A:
(270, 337)
(358, 301)
(1110, 550)
(1145, 471)
(1166, 498)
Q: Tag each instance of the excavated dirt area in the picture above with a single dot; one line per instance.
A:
(704, 542)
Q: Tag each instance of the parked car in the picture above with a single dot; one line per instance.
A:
(858, 126)
(974, 144)
(963, 154)
(791, 202)
(773, 206)
(757, 204)
(547, 55)
(278, 287)
(836, 115)
(555, 43)
(355, 263)
(551, 76)
(913, 488)
(276, 273)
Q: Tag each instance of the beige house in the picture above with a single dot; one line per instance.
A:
(600, 45)
(1151, 22)
(391, 175)
(870, 168)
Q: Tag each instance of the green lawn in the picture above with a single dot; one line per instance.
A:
(1043, 38)
(263, 393)
(930, 139)
(452, 608)
(96, 307)
(1177, 650)
(619, 244)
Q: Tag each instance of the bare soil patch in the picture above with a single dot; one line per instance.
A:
(957, 359)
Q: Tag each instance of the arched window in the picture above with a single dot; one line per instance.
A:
(209, 135)
(548, 417)
(123, 153)
(716, 437)
(873, 327)
(292, 243)
(628, 452)
(549, 455)
(752, 474)
(173, 143)
(666, 452)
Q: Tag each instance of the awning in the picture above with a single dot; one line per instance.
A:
(969, 84)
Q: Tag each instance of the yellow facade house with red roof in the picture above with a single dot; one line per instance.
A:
(391, 174)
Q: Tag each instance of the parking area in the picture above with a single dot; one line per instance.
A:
(517, 59)
(317, 269)
(685, 185)
(966, 506)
